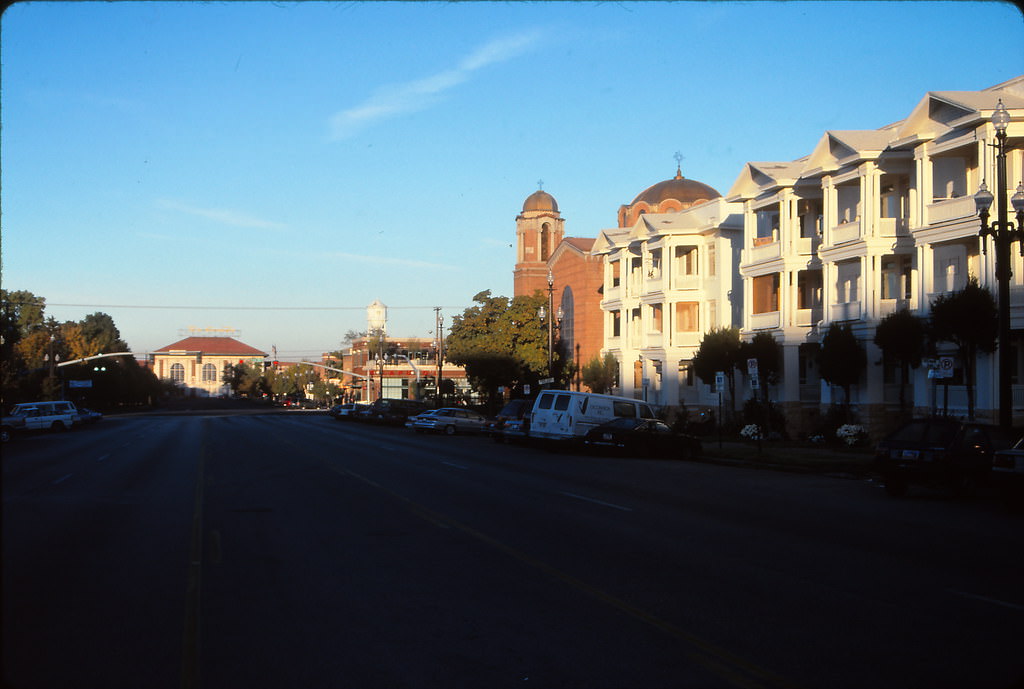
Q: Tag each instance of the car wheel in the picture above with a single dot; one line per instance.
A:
(5, 435)
(449, 430)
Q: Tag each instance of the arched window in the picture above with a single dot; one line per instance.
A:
(567, 329)
(545, 242)
(209, 373)
(178, 373)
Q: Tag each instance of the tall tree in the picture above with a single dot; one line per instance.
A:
(719, 350)
(842, 358)
(969, 320)
(902, 337)
(500, 342)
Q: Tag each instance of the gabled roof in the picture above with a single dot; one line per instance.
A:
(212, 346)
(758, 178)
(939, 111)
(608, 240)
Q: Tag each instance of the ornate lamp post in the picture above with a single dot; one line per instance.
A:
(551, 321)
(1003, 234)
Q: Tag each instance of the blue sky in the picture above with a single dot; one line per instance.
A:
(276, 167)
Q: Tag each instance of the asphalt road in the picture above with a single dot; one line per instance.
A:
(296, 551)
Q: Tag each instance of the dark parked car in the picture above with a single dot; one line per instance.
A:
(642, 437)
(391, 411)
(939, 451)
(1008, 474)
(508, 425)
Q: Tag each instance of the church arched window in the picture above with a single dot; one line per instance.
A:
(545, 242)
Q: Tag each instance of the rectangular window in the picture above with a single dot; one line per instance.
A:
(686, 260)
(686, 377)
(656, 318)
(808, 289)
(562, 402)
(616, 267)
(712, 261)
(624, 409)
(545, 401)
(616, 323)
(767, 230)
(848, 196)
(895, 277)
(655, 271)
(766, 293)
(687, 320)
(848, 281)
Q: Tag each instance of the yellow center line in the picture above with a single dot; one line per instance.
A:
(190, 635)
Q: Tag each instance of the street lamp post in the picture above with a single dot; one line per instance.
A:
(1003, 234)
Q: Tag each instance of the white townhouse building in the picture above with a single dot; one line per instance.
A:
(871, 222)
(669, 277)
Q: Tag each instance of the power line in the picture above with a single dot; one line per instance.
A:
(219, 308)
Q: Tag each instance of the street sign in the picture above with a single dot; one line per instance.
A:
(79, 383)
(752, 367)
(945, 367)
(545, 381)
(719, 380)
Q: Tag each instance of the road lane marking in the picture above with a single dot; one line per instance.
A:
(100, 459)
(457, 466)
(715, 659)
(63, 478)
(595, 501)
(190, 635)
(993, 601)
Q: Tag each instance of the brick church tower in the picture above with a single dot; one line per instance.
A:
(539, 231)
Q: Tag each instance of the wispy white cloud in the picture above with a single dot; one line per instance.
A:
(223, 216)
(389, 260)
(412, 96)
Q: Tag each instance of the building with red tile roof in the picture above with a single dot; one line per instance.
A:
(198, 364)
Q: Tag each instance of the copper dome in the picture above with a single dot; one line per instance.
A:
(540, 200)
(686, 191)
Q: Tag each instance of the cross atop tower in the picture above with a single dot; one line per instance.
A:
(679, 162)
(540, 184)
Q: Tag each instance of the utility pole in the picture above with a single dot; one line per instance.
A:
(438, 331)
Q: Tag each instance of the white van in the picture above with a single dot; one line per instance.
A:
(58, 416)
(566, 415)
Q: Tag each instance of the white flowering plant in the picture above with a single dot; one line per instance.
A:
(751, 431)
(851, 434)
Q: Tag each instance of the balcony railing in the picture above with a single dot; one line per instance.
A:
(768, 319)
(892, 227)
(807, 246)
(951, 209)
(846, 232)
(807, 317)
(889, 306)
(764, 251)
(850, 311)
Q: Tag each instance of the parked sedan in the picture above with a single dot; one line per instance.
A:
(642, 437)
(88, 415)
(1008, 474)
(452, 420)
(411, 421)
(938, 451)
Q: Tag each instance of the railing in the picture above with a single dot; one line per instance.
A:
(951, 209)
(888, 306)
(760, 321)
(810, 392)
(807, 246)
(892, 227)
(807, 317)
(846, 232)
(763, 252)
(850, 311)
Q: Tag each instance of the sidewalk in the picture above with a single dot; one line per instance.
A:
(790, 456)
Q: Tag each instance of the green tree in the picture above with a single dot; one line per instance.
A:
(720, 350)
(601, 374)
(246, 380)
(841, 358)
(969, 320)
(500, 342)
(902, 337)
